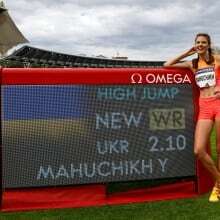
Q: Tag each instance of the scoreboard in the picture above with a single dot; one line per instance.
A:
(81, 133)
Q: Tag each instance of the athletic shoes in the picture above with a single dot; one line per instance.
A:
(215, 195)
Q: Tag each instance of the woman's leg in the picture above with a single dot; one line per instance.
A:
(217, 126)
(202, 136)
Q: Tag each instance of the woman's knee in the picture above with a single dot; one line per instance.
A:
(199, 153)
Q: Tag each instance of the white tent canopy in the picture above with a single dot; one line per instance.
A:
(10, 35)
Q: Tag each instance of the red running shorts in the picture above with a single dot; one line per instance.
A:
(209, 108)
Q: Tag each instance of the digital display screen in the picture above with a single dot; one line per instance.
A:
(79, 134)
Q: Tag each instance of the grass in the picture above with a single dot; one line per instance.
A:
(197, 208)
(183, 209)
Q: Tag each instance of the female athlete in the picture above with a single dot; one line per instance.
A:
(206, 68)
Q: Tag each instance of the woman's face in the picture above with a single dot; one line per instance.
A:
(201, 45)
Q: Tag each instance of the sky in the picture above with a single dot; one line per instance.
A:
(138, 29)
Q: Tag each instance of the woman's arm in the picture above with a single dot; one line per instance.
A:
(176, 62)
(217, 87)
(217, 60)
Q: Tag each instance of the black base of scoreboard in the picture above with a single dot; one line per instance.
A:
(118, 187)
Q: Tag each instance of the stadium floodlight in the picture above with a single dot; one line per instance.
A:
(10, 34)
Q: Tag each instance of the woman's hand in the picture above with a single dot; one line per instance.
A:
(217, 92)
(191, 51)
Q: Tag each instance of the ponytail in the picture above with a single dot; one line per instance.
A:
(211, 57)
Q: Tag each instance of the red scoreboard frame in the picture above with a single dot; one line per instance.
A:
(95, 194)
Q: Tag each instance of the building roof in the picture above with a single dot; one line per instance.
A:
(10, 35)
(31, 56)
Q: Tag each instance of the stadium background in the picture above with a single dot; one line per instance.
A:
(28, 56)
